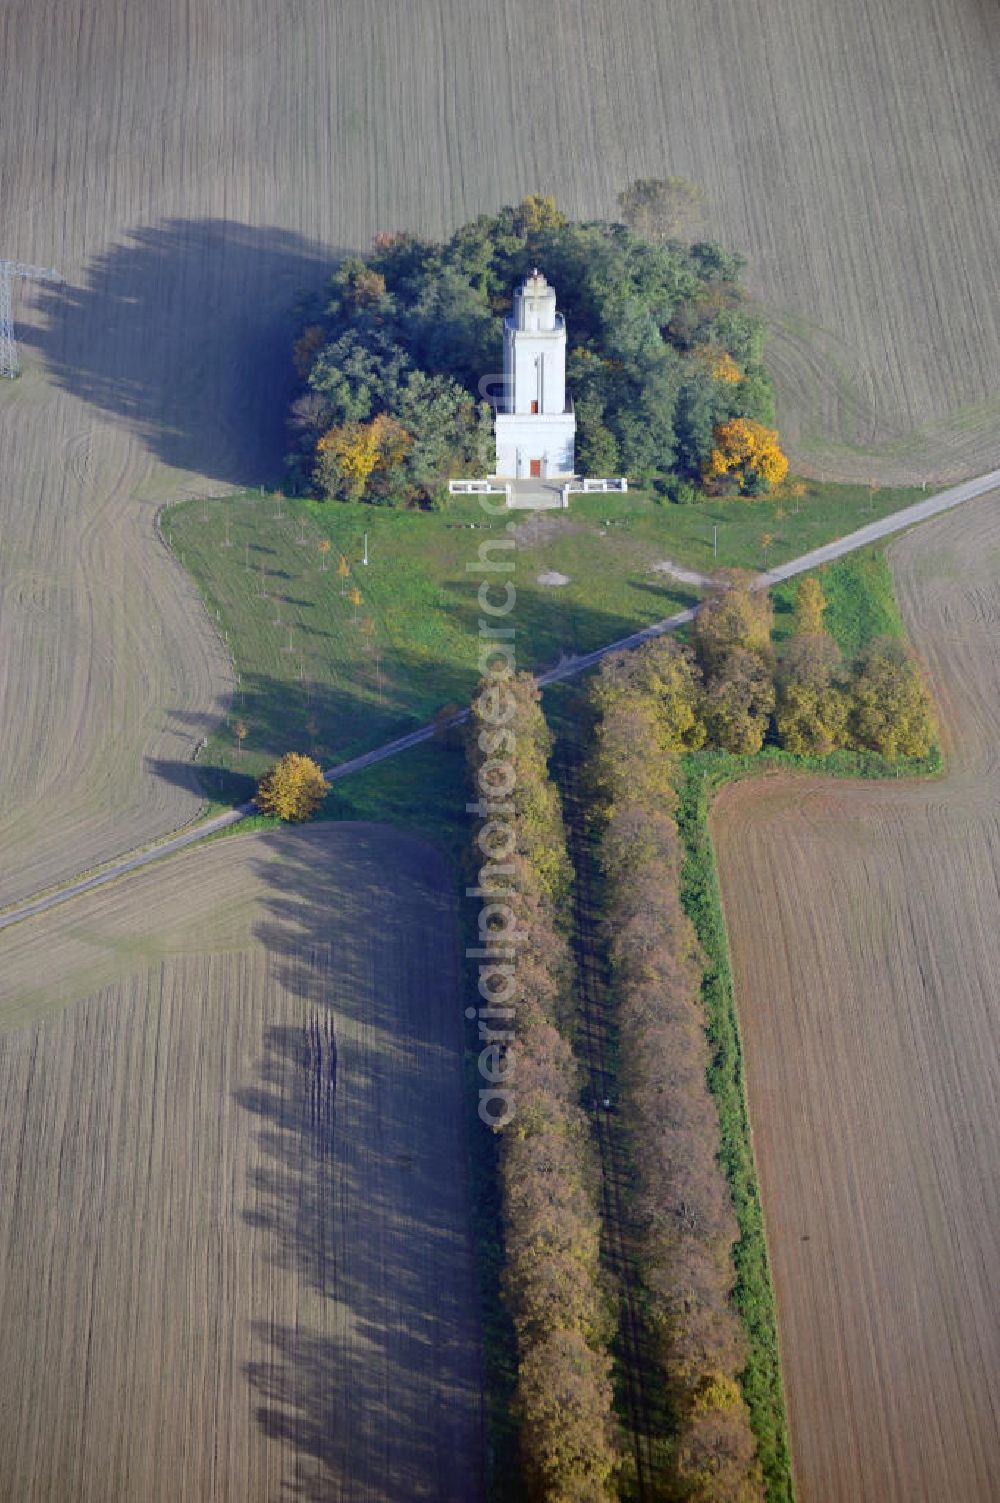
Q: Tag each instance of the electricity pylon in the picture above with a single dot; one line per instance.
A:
(9, 366)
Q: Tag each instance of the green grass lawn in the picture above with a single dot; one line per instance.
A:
(317, 674)
(861, 602)
(794, 523)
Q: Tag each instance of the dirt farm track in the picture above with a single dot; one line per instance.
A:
(230, 1265)
(189, 166)
(864, 922)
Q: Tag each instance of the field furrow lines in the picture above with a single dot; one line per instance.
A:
(231, 1267)
(864, 922)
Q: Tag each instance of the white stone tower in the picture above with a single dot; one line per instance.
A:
(535, 425)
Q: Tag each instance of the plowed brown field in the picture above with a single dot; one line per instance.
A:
(234, 1248)
(189, 165)
(864, 922)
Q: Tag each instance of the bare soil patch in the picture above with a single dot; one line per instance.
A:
(540, 527)
(864, 922)
(686, 576)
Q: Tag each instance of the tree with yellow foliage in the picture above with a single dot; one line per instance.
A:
(736, 616)
(348, 456)
(343, 572)
(724, 368)
(746, 451)
(739, 701)
(537, 212)
(811, 722)
(566, 1398)
(892, 711)
(650, 697)
(355, 597)
(293, 788)
(813, 705)
(810, 606)
(715, 1460)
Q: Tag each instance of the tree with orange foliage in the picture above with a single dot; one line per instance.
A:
(746, 451)
(394, 443)
(724, 368)
(366, 286)
(305, 349)
(720, 364)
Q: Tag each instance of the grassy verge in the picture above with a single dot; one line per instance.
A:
(861, 602)
(753, 1294)
(793, 523)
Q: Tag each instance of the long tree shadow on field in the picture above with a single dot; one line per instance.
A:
(182, 334)
(328, 722)
(368, 1373)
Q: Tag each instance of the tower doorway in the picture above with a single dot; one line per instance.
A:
(535, 469)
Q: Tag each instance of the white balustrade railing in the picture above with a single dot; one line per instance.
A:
(478, 488)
